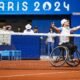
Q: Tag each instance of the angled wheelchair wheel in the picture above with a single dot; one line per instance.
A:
(58, 56)
(73, 60)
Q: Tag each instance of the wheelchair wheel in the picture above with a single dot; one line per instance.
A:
(58, 56)
(73, 60)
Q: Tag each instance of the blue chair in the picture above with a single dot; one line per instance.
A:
(10, 52)
(16, 54)
(4, 53)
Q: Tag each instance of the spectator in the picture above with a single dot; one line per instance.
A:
(18, 29)
(3, 35)
(7, 36)
(9, 28)
(4, 28)
(50, 41)
(35, 29)
(28, 29)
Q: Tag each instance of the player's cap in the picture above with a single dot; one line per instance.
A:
(28, 26)
(63, 21)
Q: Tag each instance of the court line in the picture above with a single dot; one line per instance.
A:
(37, 74)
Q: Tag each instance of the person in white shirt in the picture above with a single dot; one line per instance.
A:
(50, 41)
(28, 29)
(2, 35)
(66, 30)
(6, 33)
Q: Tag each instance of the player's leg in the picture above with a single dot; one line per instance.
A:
(73, 56)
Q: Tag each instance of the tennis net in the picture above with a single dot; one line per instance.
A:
(30, 51)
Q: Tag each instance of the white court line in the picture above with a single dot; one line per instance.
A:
(37, 74)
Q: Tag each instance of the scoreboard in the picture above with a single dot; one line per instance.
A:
(41, 7)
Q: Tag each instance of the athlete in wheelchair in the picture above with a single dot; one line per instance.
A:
(65, 51)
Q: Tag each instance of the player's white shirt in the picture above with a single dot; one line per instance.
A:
(64, 39)
(66, 31)
(50, 38)
(27, 32)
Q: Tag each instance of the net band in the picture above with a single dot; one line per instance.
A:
(42, 34)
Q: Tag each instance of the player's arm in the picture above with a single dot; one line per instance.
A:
(56, 29)
(75, 29)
